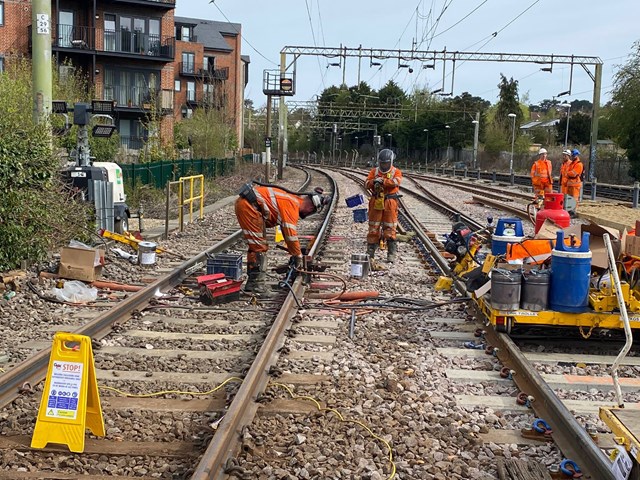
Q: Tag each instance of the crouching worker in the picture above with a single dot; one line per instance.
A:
(259, 207)
(383, 183)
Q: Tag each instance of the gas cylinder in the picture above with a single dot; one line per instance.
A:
(553, 209)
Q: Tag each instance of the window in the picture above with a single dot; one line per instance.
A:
(124, 33)
(130, 88)
(188, 63)
(191, 91)
(185, 34)
(177, 86)
(1, 13)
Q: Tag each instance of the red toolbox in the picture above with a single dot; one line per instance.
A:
(216, 288)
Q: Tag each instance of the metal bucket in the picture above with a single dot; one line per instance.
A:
(360, 265)
(147, 254)
(535, 290)
(506, 286)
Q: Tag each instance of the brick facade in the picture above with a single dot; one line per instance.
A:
(88, 50)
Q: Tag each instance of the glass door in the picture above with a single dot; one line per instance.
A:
(110, 33)
(140, 35)
(126, 40)
(65, 28)
(154, 36)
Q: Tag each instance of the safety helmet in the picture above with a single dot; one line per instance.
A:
(385, 159)
(566, 152)
(575, 152)
(319, 200)
(541, 151)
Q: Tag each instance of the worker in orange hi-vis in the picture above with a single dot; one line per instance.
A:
(265, 206)
(566, 161)
(541, 174)
(383, 183)
(574, 176)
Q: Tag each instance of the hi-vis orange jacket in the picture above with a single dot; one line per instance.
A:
(574, 172)
(274, 207)
(541, 173)
(391, 183)
(563, 176)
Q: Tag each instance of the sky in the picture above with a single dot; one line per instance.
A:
(597, 28)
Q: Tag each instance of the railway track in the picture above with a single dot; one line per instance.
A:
(396, 365)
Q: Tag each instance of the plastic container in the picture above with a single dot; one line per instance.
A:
(360, 215)
(508, 230)
(535, 290)
(506, 286)
(147, 254)
(227, 263)
(355, 200)
(360, 265)
(553, 209)
(570, 275)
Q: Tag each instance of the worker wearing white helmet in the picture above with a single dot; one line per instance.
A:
(541, 174)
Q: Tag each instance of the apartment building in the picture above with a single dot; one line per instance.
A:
(136, 53)
(210, 70)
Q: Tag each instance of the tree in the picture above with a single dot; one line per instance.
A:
(392, 94)
(579, 129)
(625, 110)
(509, 103)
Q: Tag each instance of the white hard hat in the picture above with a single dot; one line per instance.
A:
(566, 152)
(541, 151)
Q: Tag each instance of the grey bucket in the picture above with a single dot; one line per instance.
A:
(535, 290)
(360, 265)
(505, 289)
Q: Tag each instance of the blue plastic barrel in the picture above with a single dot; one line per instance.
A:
(508, 230)
(570, 275)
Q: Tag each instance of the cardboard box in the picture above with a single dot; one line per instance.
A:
(600, 258)
(632, 245)
(81, 263)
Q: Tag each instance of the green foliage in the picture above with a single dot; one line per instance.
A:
(212, 134)
(625, 109)
(34, 214)
(508, 103)
(579, 129)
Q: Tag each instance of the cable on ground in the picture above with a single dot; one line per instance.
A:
(167, 392)
(342, 419)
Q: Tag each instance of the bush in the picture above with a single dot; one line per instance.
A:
(35, 215)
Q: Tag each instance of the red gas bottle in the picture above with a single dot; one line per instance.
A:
(553, 209)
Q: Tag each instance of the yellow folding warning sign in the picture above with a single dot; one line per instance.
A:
(70, 403)
(279, 237)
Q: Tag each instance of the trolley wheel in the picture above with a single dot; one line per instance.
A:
(506, 327)
(122, 225)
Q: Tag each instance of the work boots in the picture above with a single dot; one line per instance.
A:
(257, 273)
(392, 250)
(371, 250)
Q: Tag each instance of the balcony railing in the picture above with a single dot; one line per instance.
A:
(123, 41)
(70, 36)
(139, 97)
(191, 69)
(132, 142)
(138, 43)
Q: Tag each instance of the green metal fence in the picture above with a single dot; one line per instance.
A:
(157, 174)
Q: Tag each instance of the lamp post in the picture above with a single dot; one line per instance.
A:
(566, 132)
(390, 139)
(512, 116)
(426, 151)
(476, 132)
(448, 127)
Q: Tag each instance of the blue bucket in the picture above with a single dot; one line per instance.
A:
(508, 230)
(360, 215)
(570, 275)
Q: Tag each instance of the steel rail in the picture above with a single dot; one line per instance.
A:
(570, 437)
(34, 369)
(244, 406)
(519, 212)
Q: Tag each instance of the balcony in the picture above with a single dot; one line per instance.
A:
(163, 4)
(111, 43)
(189, 69)
(139, 98)
(205, 99)
(124, 43)
(132, 142)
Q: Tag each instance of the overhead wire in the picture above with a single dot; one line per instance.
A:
(315, 43)
(244, 38)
